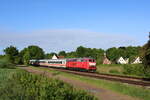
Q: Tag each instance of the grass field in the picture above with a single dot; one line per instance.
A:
(16, 84)
(134, 91)
(108, 68)
(135, 70)
(5, 74)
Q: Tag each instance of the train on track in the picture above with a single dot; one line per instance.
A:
(82, 64)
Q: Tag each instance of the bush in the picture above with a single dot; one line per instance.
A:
(26, 86)
(135, 69)
(4, 63)
(111, 65)
(114, 71)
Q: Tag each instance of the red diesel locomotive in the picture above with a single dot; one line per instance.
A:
(84, 64)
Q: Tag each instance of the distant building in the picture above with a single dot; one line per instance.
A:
(61, 57)
(106, 60)
(137, 61)
(57, 57)
(121, 60)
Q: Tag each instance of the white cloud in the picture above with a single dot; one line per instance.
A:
(68, 40)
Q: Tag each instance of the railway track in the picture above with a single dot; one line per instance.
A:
(123, 79)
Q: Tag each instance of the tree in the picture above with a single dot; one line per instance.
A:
(22, 53)
(97, 54)
(36, 52)
(71, 54)
(126, 52)
(112, 54)
(26, 58)
(12, 54)
(133, 52)
(62, 53)
(81, 51)
(49, 55)
(146, 58)
(31, 52)
(90, 52)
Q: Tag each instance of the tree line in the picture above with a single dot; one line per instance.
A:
(35, 52)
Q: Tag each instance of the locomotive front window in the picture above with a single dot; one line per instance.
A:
(91, 60)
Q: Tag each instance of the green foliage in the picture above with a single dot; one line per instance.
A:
(133, 52)
(26, 58)
(114, 71)
(11, 51)
(4, 63)
(2, 56)
(111, 65)
(4, 75)
(89, 52)
(81, 51)
(26, 86)
(112, 54)
(134, 69)
(126, 52)
(133, 91)
(62, 53)
(31, 52)
(146, 58)
(49, 55)
(35, 52)
(71, 54)
(12, 54)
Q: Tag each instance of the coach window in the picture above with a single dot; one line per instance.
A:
(78, 60)
(49, 62)
(60, 62)
(82, 60)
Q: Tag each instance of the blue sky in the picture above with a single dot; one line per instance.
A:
(66, 24)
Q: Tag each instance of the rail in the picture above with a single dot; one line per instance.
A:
(118, 78)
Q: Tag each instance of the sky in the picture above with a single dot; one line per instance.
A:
(57, 25)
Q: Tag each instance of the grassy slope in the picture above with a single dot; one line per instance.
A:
(130, 90)
(23, 79)
(5, 74)
(107, 68)
(119, 69)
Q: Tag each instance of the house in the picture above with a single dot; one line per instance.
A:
(121, 60)
(61, 57)
(57, 57)
(137, 61)
(106, 60)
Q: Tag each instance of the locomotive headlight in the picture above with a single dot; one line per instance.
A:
(92, 64)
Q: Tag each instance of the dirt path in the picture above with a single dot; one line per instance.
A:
(100, 93)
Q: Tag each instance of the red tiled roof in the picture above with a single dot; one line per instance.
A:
(60, 57)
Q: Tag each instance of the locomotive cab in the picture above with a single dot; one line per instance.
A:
(92, 65)
(87, 64)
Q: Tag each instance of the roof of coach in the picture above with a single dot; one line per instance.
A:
(51, 59)
(60, 59)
